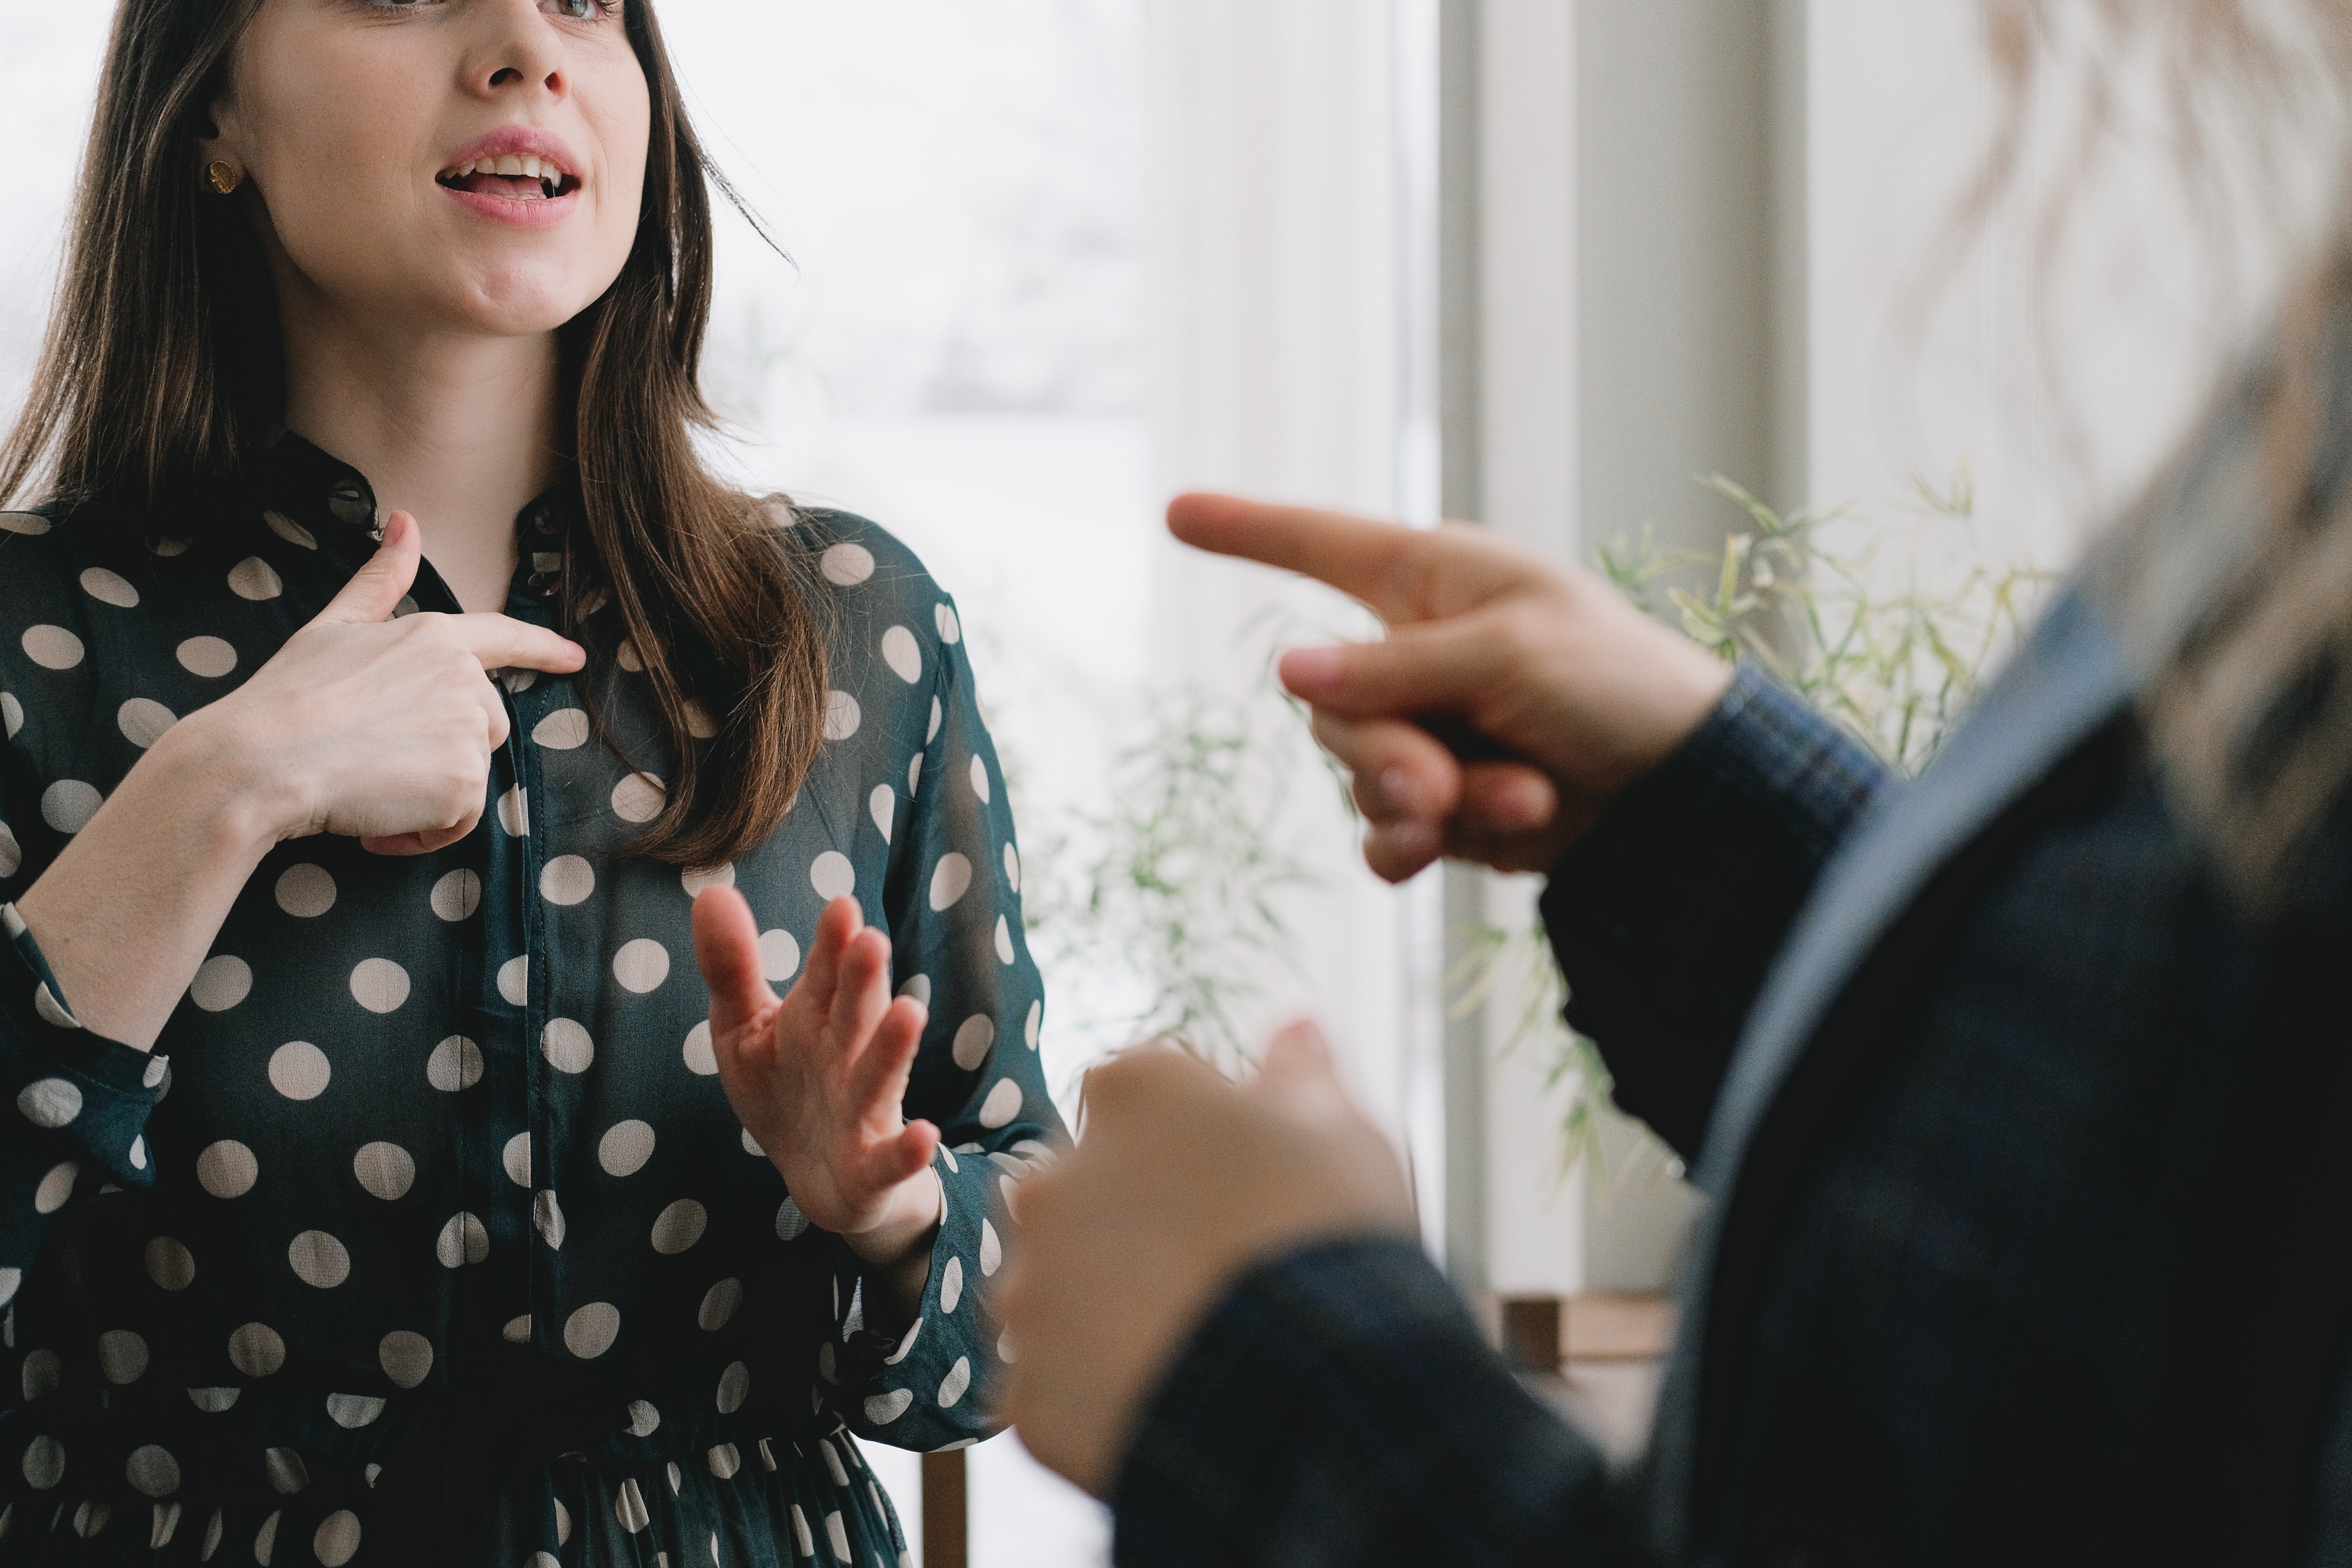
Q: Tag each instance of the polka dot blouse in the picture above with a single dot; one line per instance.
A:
(426, 1234)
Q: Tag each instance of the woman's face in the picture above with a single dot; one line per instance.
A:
(466, 166)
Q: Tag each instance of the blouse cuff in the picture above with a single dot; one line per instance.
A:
(924, 1388)
(68, 1081)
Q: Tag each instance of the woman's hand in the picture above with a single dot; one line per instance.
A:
(376, 729)
(1579, 692)
(1180, 1184)
(818, 1078)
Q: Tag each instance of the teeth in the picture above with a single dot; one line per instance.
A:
(510, 164)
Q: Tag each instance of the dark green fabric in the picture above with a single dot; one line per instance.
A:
(439, 1164)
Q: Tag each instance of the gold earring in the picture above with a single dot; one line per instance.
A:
(225, 175)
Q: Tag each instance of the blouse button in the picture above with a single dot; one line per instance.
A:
(544, 584)
(542, 521)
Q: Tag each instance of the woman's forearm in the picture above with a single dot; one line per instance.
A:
(129, 909)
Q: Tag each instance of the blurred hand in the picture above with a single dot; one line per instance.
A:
(377, 729)
(1181, 1183)
(818, 1078)
(1579, 691)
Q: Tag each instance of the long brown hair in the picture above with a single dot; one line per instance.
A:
(163, 374)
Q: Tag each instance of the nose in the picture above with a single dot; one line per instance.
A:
(515, 49)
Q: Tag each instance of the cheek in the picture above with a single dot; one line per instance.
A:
(622, 132)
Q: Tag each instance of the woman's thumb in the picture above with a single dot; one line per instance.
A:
(376, 589)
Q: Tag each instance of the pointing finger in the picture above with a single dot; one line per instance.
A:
(727, 950)
(502, 642)
(1404, 573)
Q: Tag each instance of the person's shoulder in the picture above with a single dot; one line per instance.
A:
(42, 545)
(861, 559)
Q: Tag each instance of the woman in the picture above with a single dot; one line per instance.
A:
(2019, 1092)
(382, 1187)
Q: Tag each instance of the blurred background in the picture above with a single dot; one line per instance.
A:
(1540, 264)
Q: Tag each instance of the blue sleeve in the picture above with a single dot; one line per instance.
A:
(1668, 914)
(955, 909)
(1338, 1408)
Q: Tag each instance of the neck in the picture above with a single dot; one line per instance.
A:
(458, 430)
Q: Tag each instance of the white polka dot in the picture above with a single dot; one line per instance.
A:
(937, 715)
(951, 628)
(625, 1148)
(629, 1508)
(906, 1344)
(1002, 1104)
(305, 892)
(514, 980)
(833, 876)
(718, 1304)
(52, 647)
(143, 721)
(1036, 1020)
(979, 777)
(227, 1168)
(518, 1332)
(780, 955)
(920, 987)
(45, 1463)
(514, 812)
(680, 1227)
(516, 1159)
(951, 1286)
(724, 1461)
(914, 774)
(790, 1224)
(638, 798)
(256, 1350)
(152, 1470)
(49, 1101)
(564, 730)
(11, 854)
(109, 587)
(455, 1064)
(628, 657)
(695, 881)
(699, 1057)
(139, 1152)
(353, 1411)
(379, 985)
(903, 653)
(300, 1070)
(698, 721)
(122, 1356)
(566, 1044)
(406, 1357)
(752, 1145)
(386, 1170)
(31, 525)
(463, 1240)
(973, 1040)
(734, 1388)
(52, 1011)
(953, 1386)
(644, 1419)
(55, 1187)
(885, 1408)
(1012, 868)
(547, 1214)
(337, 1540)
(883, 806)
(950, 879)
(567, 880)
(641, 965)
(992, 1251)
(213, 1401)
(1005, 1347)
(456, 895)
(318, 1259)
(69, 804)
(170, 1264)
(1004, 941)
(591, 1330)
(847, 565)
(801, 1532)
(209, 657)
(221, 984)
(842, 716)
(252, 578)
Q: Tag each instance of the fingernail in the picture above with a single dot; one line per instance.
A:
(1305, 668)
(1415, 840)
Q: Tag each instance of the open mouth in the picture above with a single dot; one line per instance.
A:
(519, 177)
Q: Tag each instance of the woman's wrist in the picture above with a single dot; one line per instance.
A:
(896, 1253)
(214, 761)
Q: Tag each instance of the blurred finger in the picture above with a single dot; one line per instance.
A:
(1400, 770)
(840, 921)
(1399, 851)
(1447, 667)
(1298, 1053)
(502, 642)
(877, 1085)
(1393, 569)
(862, 994)
(1508, 797)
(727, 950)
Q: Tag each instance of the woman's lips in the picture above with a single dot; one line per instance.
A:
(499, 198)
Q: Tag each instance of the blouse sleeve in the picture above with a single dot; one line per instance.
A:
(81, 1101)
(958, 945)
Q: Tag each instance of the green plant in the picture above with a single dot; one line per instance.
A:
(1891, 657)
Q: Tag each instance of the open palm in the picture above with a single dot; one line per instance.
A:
(818, 1075)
